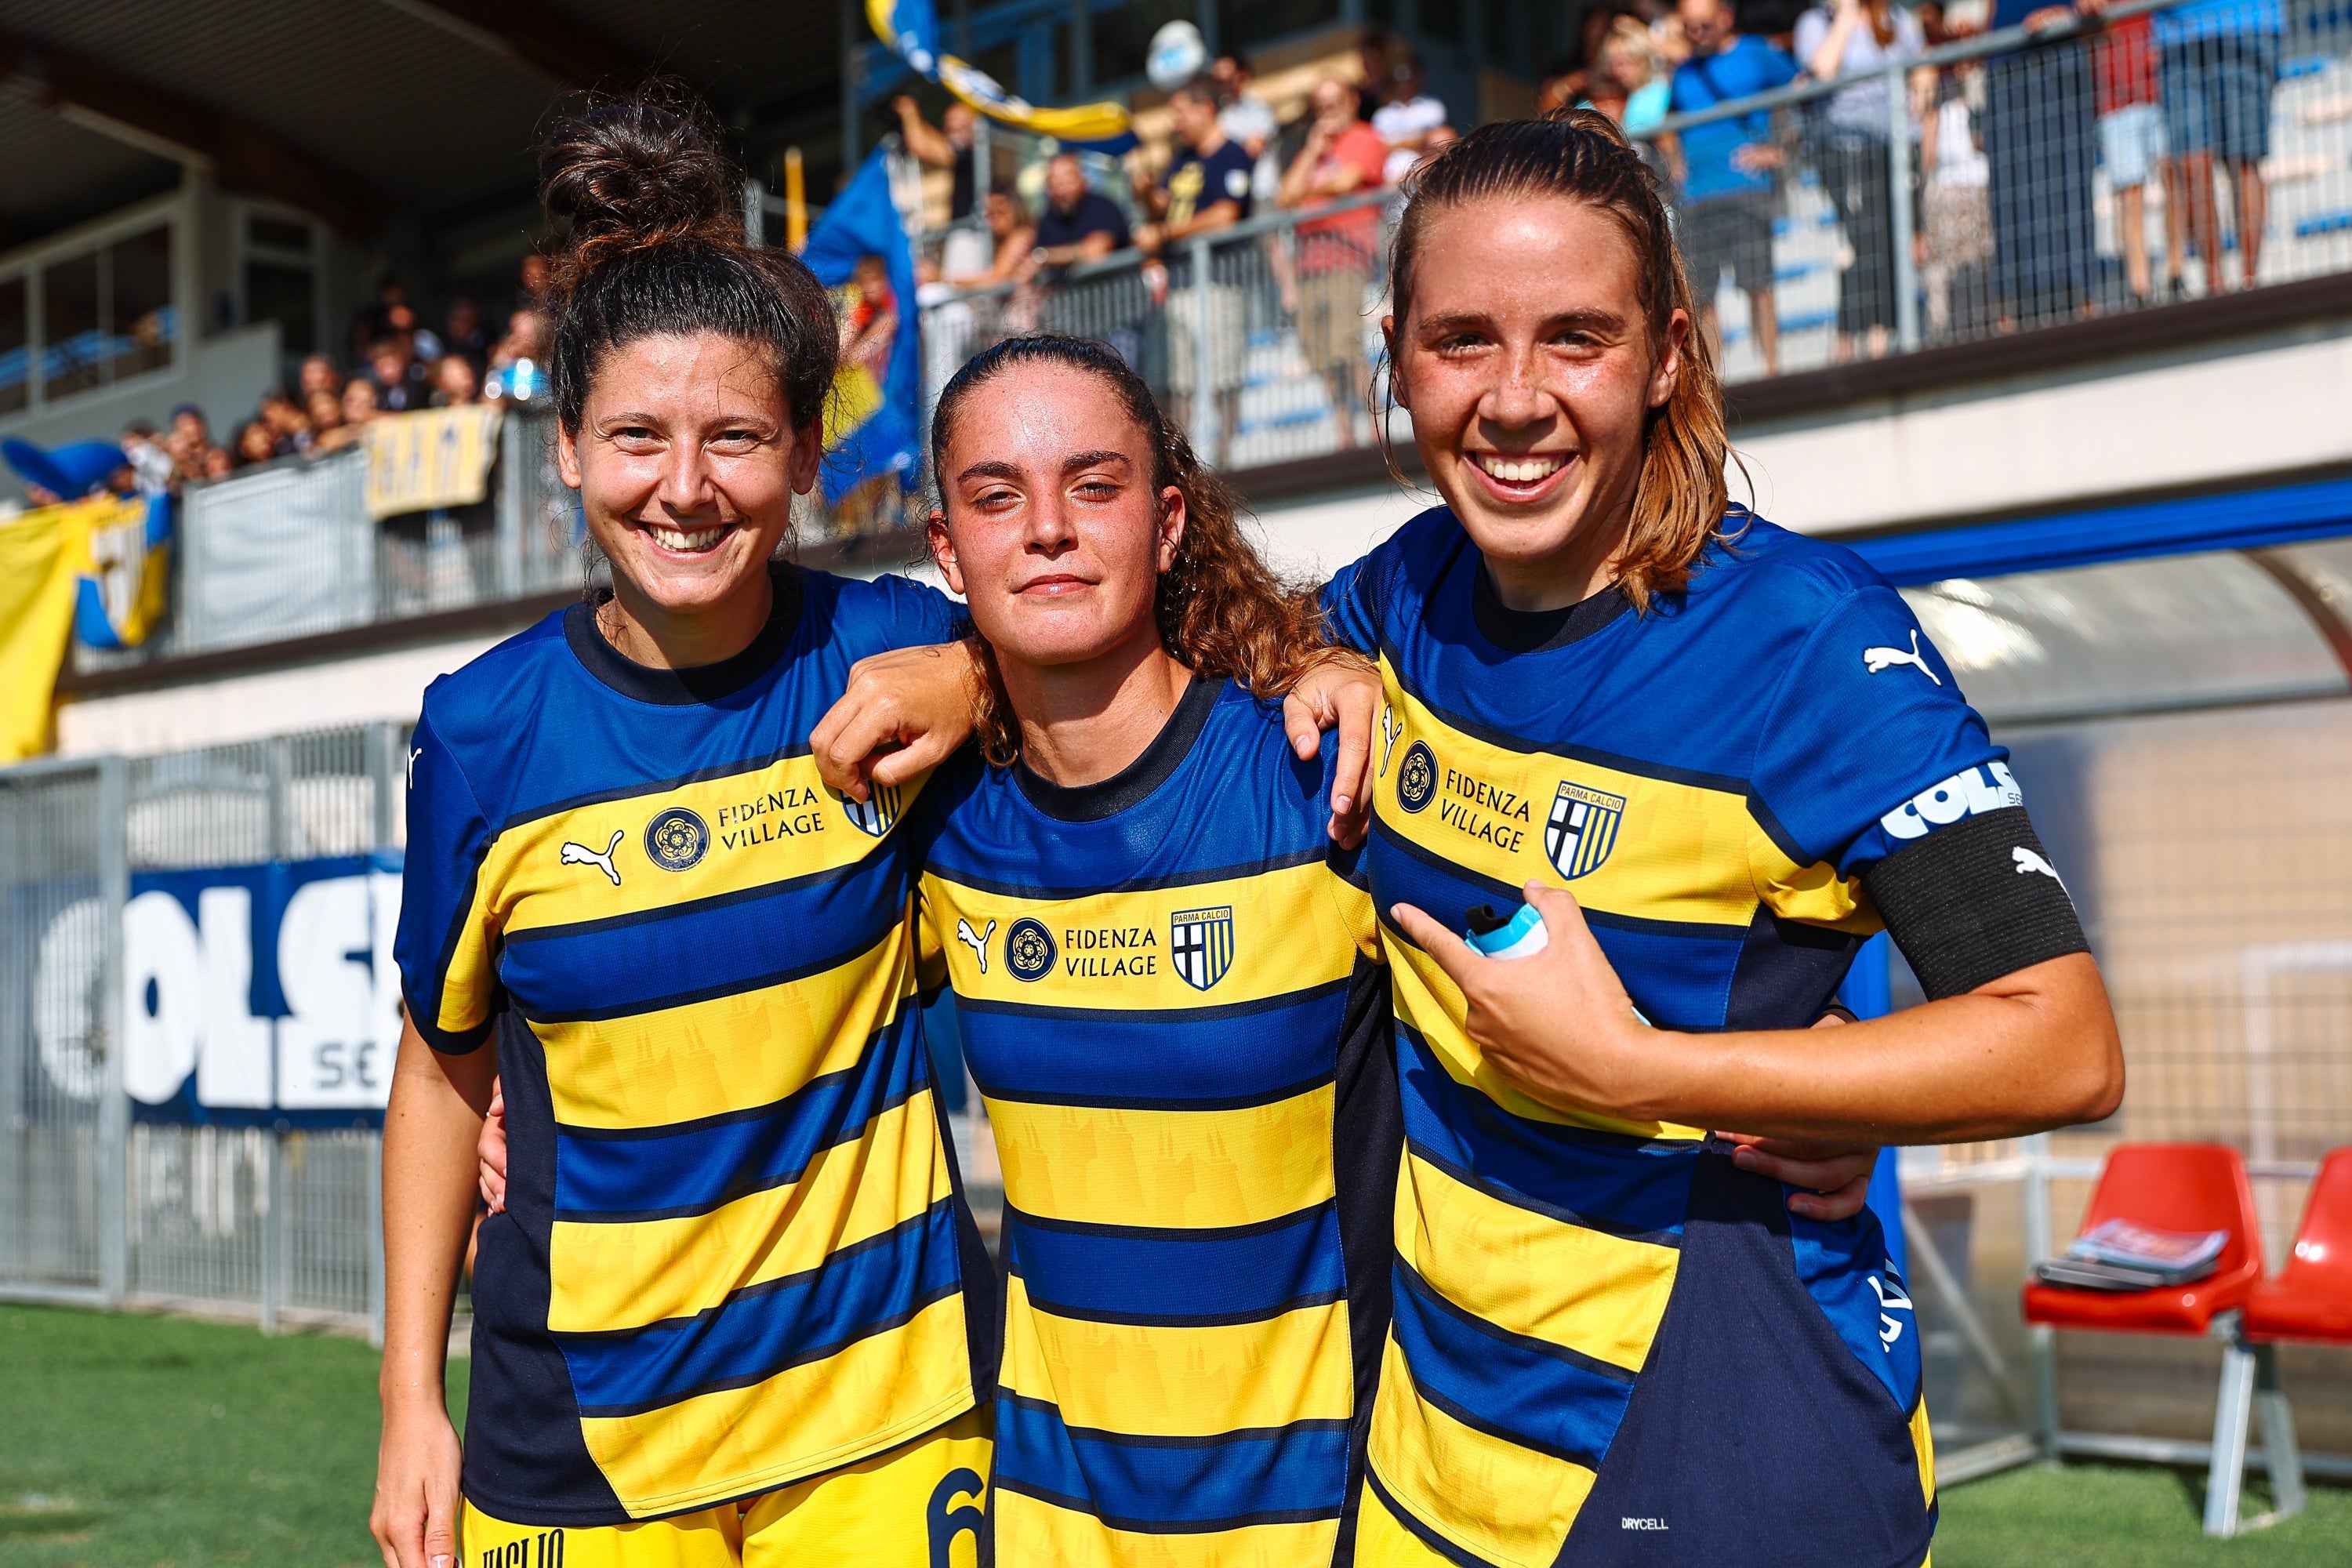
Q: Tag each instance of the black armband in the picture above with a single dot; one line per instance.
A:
(1974, 902)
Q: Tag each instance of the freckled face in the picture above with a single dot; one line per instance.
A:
(1052, 529)
(1529, 371)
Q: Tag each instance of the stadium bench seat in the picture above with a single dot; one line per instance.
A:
(2194, 1187)
(2311, 1298)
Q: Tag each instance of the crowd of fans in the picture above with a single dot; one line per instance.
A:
(2002, 155)
(403, 365)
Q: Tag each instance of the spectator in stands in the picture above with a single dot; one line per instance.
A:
(873, 321)
(1207, 187)
(1249, 119)
(1957, 222)
(1079, 223)
(220, 463)
(326, 411)
(360, 405)
(1626, 83)
(949, 147)
(517, 373)
(454, 384)
(462, 333)
(1851, 151)
(1014, 235)
(1573, 76)
(152, 468)
(2220, 67)
(319, 374)
(2132, 146)
(401, 382)
(1725, 168)
(1406, 119)
(1342, 155)
(255, 443)
(288, 424)
(536, 275)
(2041, 140)
(190, 441)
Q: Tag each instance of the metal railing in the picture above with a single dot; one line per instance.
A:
(289, 551)
(1261, 339)
(2007, 182)
(275, 1218)
(2021, 179)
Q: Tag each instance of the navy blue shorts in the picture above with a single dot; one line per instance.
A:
(2217, 95)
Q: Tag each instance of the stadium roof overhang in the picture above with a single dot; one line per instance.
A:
(359, 113)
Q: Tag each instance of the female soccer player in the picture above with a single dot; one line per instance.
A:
(734, 1308)
(1612, 1342)
(1614, 1338)
(1168, 987)
(725, 1314)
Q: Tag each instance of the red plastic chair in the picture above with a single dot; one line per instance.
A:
(2311, 1299)
(2171, 1187)
(2191, 1187)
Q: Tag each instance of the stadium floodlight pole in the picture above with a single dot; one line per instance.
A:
(755, 214)
(1905, 281)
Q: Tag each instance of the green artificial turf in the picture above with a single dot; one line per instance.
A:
(133, 1442)
(2128, 1515)
(137, 1442)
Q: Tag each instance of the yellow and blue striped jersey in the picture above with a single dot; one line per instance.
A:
(1168, 994)
(733, 1253)
(1609, 1345)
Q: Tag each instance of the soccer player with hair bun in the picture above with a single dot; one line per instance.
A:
(734, 1308)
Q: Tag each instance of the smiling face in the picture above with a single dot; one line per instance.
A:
(686, 463)
(1053, 530)
(1531, 374)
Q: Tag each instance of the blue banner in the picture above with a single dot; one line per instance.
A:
(262, 996)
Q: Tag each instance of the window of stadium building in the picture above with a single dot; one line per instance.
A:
(86, 316)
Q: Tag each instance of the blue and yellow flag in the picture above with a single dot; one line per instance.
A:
(119, 596)
(874, 423)
(911, 29)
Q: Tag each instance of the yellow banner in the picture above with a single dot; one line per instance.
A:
(42, 553)
(433, 458)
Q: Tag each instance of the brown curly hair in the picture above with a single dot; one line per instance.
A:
(1581, 155)
(1221, 612)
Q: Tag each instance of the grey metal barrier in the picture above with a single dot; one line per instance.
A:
(1260, 339)
(274, 1222)
(289, 551)
(2018, 180)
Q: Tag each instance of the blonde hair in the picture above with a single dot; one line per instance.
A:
(1581, 155)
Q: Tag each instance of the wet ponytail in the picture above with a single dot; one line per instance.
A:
(1581, 155)
(654, 246)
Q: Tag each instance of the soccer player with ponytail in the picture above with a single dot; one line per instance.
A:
(1715, 756)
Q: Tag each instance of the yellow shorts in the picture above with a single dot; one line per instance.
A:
(921, 1505)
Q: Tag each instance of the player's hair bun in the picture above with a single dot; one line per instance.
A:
(637, 175)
